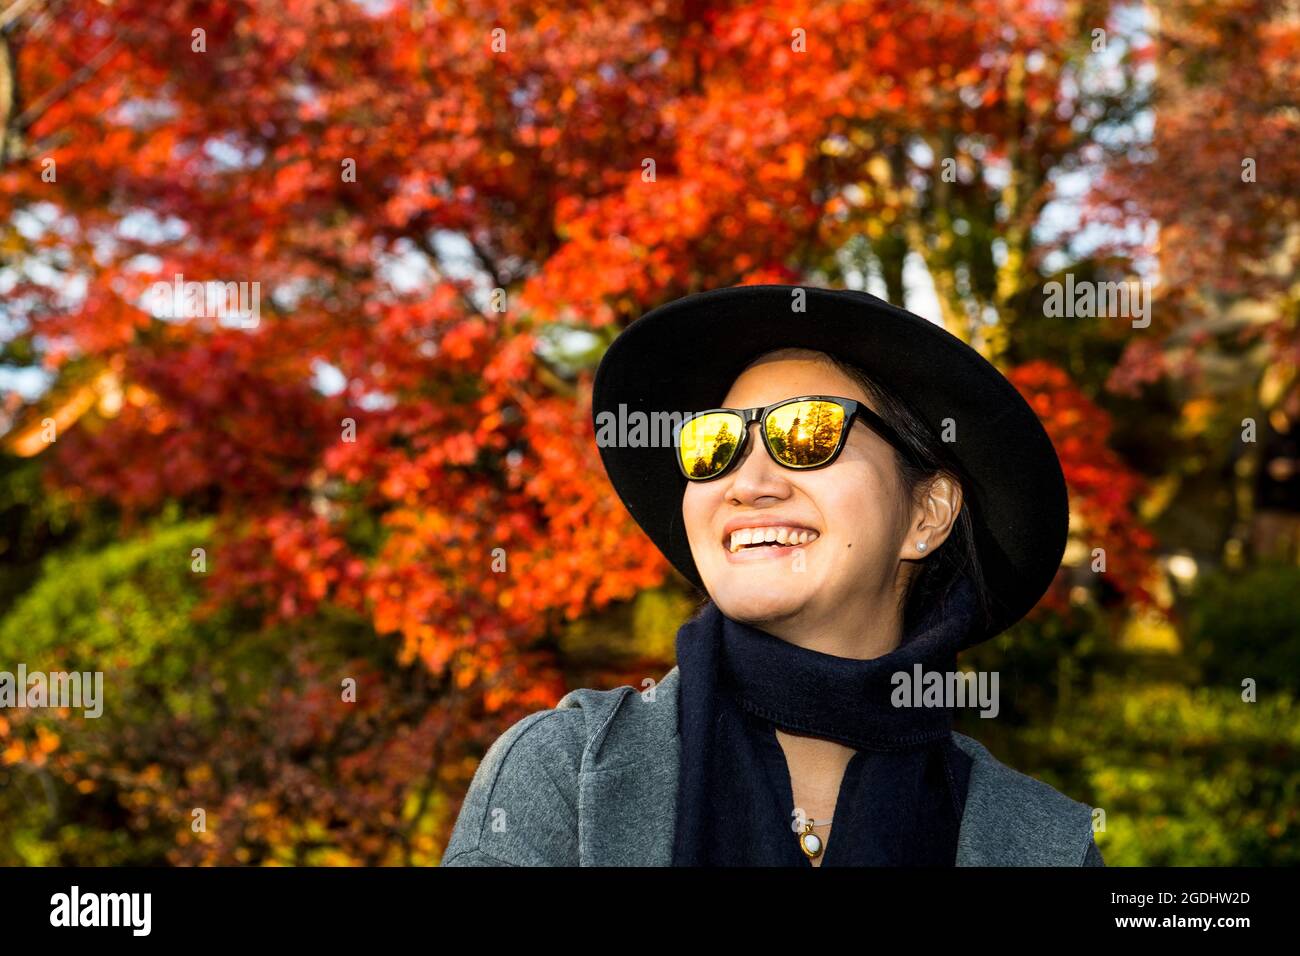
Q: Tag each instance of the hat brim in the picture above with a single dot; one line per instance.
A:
(684, 356)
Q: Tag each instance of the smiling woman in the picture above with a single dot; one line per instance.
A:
(859, 495)
(873, 527)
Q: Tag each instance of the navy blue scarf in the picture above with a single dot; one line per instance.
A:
(904, 790)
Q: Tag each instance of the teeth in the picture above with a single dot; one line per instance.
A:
(776, 534)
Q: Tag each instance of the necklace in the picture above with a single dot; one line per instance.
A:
(811, 844)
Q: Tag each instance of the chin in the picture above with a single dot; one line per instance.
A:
(763, 598)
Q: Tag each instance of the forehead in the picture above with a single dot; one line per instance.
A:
(787, 374)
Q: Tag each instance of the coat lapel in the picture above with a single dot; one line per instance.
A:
(627, 790)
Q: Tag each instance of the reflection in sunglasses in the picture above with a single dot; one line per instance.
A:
(708, 442)
(798, 435)
(804, 433)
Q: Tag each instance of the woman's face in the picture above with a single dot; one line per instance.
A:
(863, 528)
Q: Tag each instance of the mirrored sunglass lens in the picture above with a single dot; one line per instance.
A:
(707, 442)
(804, 434)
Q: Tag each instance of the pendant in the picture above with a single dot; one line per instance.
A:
(810, 843)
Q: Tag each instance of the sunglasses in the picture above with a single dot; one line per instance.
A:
(801, 433)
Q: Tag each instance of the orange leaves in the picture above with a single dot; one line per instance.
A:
(1103, 489)
(35, 752)
(460, 449)
(15, 752)
(464, 340)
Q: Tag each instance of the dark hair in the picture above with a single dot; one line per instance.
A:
(957, 556)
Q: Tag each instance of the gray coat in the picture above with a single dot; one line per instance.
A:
(593, 782)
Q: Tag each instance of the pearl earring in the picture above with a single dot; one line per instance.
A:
(920, 546)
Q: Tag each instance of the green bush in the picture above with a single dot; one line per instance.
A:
(211, 711)
(112, 610)
(1186, 776)
(1247, 624)
(124, 610)
(1042, 662)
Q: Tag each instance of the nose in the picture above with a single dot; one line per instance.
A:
(756, 479)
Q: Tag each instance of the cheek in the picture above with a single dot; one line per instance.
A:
(697, 508)
(860, 511)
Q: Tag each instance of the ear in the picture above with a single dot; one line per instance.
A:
(932, 518)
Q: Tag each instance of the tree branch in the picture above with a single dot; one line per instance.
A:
(38, 109)
(16, 10)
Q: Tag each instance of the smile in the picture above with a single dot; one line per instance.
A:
(768, 537)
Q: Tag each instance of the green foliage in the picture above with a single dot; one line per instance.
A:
(209, 710)
(635, 637)
(1041, 661)
(1186, 771)
(1244, 624)
(1187, 776)
(108, 609)
(33, 521)
(124, 610)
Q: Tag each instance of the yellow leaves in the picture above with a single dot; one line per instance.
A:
(1159, 496)
(333, 857)
(1149, 631)
(1197, 415)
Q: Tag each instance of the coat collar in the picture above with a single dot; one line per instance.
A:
(628, 791)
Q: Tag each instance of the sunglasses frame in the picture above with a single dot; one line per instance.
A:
(853, 411)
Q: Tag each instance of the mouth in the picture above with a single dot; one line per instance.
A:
(769, 538)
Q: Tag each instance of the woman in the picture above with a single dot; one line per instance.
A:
(861, 495)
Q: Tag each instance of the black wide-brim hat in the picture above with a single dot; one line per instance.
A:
(683, 357)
